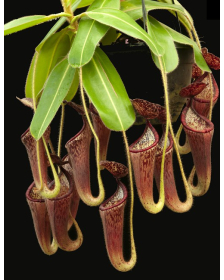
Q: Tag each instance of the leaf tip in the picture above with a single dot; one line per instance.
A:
(36, 135)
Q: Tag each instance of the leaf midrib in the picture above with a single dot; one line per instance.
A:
(54, 98)
(53, 16)
(154, 8)
(101, 78)
(127, 24)
(33, 76)
(85, 42)
(84, 45)
(54, 51)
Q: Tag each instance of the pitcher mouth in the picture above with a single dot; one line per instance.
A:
(31, 196)
(155, 140)
(24, 133)
(168, 148)
(200, 98)
(116, 199)
(206, 125)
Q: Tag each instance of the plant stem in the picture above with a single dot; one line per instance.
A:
(196, 37)
(100, 183)
(67, 7)
(51, 147)
(35, 108)
(77, 228)
(165, 85)
(47, 193)
(185, 149)
(169, 126)
(66, 4)
(38, 164)
(190, 34)
(56, 179)
(76, 18)
(179, 160)
(61, 129)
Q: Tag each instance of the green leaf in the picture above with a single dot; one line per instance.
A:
(124, 23)
(110, 37)
(115, 4)
(106, 91)
(55, 91)
(74, 87)
(187, 14)
(176, 2)
(29, 87)
(185, 18)
(66, 30)
(29, 21)
(154, 38)
(170, 57)
(182, 39)
(54, 29)
(53, 50)
(70, 33)
(134, 7)
(89, 34)
(87, 38)
(85, 3)
(59, 23)
(69, 2)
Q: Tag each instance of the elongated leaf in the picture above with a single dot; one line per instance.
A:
(88, 36)
(29, 90)
(170, 57)
(187, 14)
(66, 30)
(185, 18)
(104, 4)
(154, 38)
(70, 33)
(54, 29)
(29, 21)
(180, 38)
(106, 91)
(85, 3)
(134, 7)
(53, 50)
(69, 2)
(55, 91)
(90, 32)
(124, 23)
(58, 24)
(110, 37)
(73, 88)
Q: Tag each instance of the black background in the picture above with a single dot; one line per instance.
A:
(168, 244)
(213, 9)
